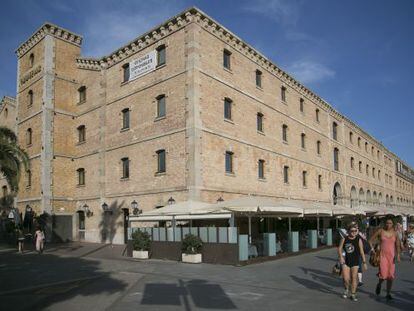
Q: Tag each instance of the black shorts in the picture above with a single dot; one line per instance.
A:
(352, 261)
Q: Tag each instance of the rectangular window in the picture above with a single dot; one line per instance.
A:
(258, 78)
(360, 166)
(229, 162)
(161, 106)
(302, 141)
(226, 59)
(82, 94)
(125, 69)
(336, 159)
(81, 177)
(317, 115)
(161, 58)
(125, 168)
(283, 93)
(227, 108)
(335, 131)
(125, 118)
(301, 105)
(318, 147)
(284, 133)
(261, 169)
(29, 178)
(304, 173)
(161, 161)
(81, 133)
(260, 122)
(320, 182)
(286, 174)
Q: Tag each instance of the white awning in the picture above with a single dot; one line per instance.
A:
(261, 206)
(317, 209)
(340, 210)
(185, 210)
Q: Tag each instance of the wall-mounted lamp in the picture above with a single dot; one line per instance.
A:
(106, 208)
(171, 201)
(87, 210)
(135, 209)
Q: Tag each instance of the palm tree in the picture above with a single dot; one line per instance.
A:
(11, 158)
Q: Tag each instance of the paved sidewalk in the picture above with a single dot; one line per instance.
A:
(76, 278)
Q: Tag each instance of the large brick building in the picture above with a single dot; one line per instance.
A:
(185, 111)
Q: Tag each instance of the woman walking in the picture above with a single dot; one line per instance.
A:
(39, 239)
(353, 248)
(390, 248)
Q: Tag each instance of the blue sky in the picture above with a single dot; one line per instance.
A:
(357, 55)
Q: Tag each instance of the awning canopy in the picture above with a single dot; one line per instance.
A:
(262, 206)
(317, 209)
(340, 210)
(185, 210)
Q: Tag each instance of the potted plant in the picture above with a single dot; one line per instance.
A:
(192, 249)
(141, 244)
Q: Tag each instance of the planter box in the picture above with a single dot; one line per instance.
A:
(192, 258)
(140, 254)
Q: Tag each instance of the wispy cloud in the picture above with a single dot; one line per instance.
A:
(285, 12)
(109, 28)
(308, 71)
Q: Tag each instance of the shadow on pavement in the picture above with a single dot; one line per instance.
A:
(179, 294)
(36, 282)
(327, 258)
(326, 282)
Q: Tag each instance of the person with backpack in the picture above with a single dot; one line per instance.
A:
(39, 239)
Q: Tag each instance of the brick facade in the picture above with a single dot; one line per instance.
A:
(193, 133)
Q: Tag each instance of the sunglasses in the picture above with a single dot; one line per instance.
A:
(354, 230)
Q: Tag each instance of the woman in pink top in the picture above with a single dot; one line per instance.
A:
(390, 248)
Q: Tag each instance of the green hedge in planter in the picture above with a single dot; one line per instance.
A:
(141, 241)
(192, 244)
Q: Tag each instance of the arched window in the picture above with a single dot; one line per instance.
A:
(360, 166)
(301, 105)
(284, 132)
(30, 98)
(31, 60)
(318, 147)
(6, 112)
(125, 72)
(352, 162)
(286, 174)
(359, 141)
(351, 137)
(29, 135)
(81, 176)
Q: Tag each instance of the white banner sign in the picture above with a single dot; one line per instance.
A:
(141, 66)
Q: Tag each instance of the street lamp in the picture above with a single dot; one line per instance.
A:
(87, 211)
(106, 208)
(135, 209)
(171, 201)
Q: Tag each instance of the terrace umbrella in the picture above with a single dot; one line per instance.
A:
(339, 210)
(317, 209)
(258, 205)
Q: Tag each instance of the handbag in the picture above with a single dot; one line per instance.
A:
(336, 269)
(374, 258)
